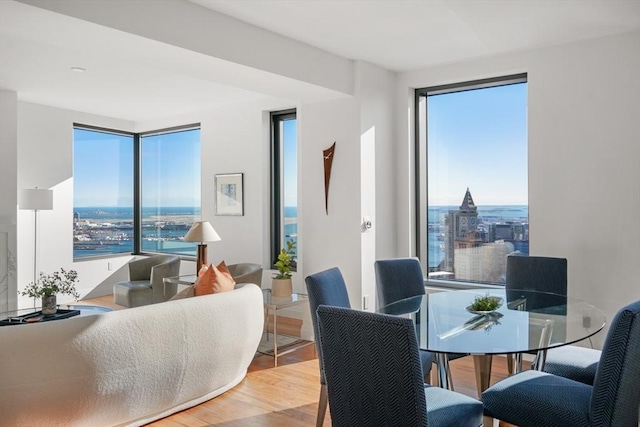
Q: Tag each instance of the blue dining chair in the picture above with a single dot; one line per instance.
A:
(328, 288)
(374, 374)
(401, 278)
(548, 274)
(535, 398)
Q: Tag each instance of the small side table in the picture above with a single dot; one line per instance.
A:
(273, 305)
(188, 280)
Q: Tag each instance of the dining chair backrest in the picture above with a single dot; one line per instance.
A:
(325, 288)
(397, 279)
(372, 368)
(615, 398)
(541, 274)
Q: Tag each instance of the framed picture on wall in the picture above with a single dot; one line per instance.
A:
(229, 194)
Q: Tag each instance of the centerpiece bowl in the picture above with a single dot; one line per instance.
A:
(485, 304)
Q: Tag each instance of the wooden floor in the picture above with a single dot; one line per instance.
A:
(286, 395)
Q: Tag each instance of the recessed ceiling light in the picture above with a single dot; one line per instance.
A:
(78, 69)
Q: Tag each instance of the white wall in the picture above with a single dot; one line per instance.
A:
(584, 158)
(375, 94)
(331, 240)
(45, 160)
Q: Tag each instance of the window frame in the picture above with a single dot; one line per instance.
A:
(136, 184)
(421, 154)
(277, 185)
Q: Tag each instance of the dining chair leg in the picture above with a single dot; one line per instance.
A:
(322, 405)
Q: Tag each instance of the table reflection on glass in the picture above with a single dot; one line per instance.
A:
(527, 321)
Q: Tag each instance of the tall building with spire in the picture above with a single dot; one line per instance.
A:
(461, 230)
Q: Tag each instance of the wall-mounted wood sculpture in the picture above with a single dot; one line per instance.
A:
(328, 161)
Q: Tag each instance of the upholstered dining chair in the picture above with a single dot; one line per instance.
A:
(535, 398)
(146, 281)
(324, 288)
(548, 274)
(401, 278)
(374, 374)
(328, 288)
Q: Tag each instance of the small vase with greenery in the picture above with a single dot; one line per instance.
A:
(281, 285)
(49, 285)
(485, 304)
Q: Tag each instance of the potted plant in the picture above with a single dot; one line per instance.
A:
(49, 285)
(281, 285)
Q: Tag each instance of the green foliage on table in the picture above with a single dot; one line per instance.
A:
(285, 257)
(485, 303)
(59, 282)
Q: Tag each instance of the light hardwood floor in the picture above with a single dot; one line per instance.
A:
(286, 395)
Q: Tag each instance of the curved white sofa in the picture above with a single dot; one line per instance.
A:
(128, 367)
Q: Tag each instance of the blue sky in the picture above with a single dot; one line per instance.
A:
(478, 139)
(103, 169)
(290, 163)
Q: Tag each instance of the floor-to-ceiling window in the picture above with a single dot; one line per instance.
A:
(169, 189)
(472, 186)
(135, 193)
(103, 171)
(284, 182)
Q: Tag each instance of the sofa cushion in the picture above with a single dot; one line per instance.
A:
(214, 280)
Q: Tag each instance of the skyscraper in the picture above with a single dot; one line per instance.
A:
(460, 232)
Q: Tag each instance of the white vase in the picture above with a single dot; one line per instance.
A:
(281, 287)
(49, 305)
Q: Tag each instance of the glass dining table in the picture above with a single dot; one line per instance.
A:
(526, 321)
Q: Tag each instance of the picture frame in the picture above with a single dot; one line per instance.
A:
(229, 198)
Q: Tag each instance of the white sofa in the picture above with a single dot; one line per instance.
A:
(128, 367)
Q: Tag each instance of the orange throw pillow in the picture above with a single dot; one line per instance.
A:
(214, 280)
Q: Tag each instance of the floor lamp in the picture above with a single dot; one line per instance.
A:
(36, 200)
(201, 231)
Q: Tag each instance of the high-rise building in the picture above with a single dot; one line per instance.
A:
(460, 231)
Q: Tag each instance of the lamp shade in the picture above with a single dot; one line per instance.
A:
(201, 231)
(36, 199)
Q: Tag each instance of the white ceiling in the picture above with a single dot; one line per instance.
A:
(404, 35)
(139, 79)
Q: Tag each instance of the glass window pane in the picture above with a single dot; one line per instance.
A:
(102, 193)
(290, 183)
(476, 181)
(284, 183)
(170, 190)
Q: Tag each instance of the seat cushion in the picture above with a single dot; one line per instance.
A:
(133, 294)
(573, 362)
(447, 408)
(534, 398)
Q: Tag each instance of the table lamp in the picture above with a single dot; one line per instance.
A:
(201, 231)
(36, 199)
